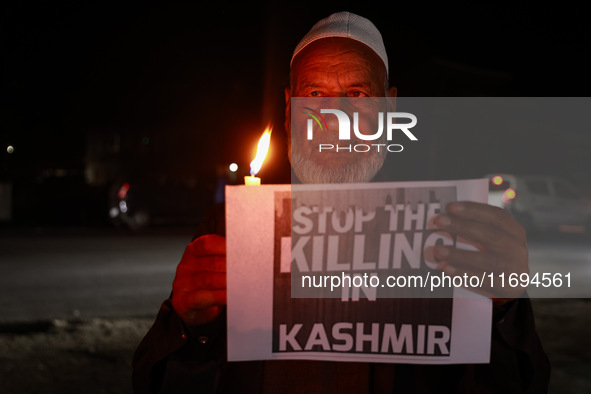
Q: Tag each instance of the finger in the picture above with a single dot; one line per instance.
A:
(202, 281)
(482, 233)
(207, 245)
(207, 298)
(482, 261)
(191, 264)
(485, 213)
(466, 259)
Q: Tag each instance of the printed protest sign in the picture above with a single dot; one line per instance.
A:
(286, 245)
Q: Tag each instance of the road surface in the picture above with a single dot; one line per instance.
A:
(107, 273)
(87, 273)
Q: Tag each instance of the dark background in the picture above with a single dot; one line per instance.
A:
(96, 93)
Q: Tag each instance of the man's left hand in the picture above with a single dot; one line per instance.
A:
(501, 243)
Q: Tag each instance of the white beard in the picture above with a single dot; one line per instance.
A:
(308, 171)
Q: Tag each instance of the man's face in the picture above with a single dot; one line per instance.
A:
(334, 67)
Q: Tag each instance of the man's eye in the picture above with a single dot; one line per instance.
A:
(358, 93)
(315, 93)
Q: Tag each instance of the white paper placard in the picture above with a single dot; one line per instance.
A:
(265, 323)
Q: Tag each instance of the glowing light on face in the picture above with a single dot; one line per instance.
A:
(10, 149)
(233, 167)
(355, 71)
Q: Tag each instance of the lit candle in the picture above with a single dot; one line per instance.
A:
(250, 180)
(257, 163)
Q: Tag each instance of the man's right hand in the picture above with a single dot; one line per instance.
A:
(199, 287)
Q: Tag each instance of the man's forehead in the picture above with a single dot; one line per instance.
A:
(337, 50)
(346, 59)
(320, 77)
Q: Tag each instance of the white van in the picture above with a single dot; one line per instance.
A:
(541, 202)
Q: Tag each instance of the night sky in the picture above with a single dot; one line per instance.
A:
(189, 88)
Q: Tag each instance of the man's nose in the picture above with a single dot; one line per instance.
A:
(333, 102)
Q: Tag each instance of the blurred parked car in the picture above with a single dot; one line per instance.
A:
(138, 204)
(541, 202)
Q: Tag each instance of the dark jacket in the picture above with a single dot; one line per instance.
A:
(172, 359)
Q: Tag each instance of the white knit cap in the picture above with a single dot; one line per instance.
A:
(349, 25)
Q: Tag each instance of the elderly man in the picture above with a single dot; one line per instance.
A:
(185, 351)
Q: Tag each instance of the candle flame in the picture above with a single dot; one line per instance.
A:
(262, 149)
